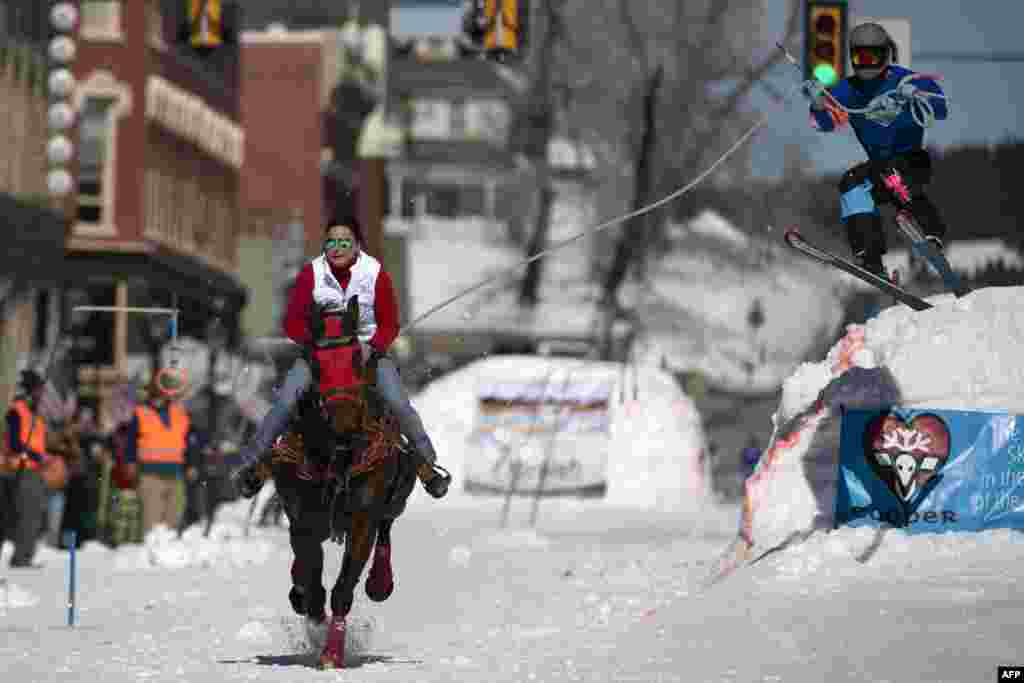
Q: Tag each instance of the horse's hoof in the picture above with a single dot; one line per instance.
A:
(316, 632)
(333, 654)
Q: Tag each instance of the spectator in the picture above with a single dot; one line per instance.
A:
(157, 456)
(196, 489)
(23, 494)
(83, 490)
(62, 443)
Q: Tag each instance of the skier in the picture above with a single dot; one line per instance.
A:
(343, 270)
(882, 102)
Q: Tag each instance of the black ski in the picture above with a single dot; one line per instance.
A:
(796, 240)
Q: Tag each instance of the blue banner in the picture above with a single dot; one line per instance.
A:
(931, 470)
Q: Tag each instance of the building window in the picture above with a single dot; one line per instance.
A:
(101, 21)
(430, 120)
(93, 150)
(442, 200)
(457, 119)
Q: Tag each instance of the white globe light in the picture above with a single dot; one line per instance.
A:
(62, 49)
(59, 150)
(60, 116)
(61, 82)
(63, 16)
(58, 182)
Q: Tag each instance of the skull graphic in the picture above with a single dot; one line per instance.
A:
(906, 454)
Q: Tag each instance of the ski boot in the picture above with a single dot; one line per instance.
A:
(873, 263)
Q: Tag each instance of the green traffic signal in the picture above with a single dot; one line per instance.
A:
(826, 74)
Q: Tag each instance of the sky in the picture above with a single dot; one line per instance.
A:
(644, 588)
(985, 98)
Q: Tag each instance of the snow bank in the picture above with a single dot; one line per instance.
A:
(656, 445)
(962, 354)
(225, 546)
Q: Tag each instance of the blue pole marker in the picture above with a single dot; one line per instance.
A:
(71, 540)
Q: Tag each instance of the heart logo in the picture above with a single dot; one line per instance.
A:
(906, 455)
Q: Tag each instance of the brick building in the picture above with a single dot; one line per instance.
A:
(285, 88)
(155, 218)
(32, 227)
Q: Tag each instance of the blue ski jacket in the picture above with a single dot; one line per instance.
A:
(882, 133)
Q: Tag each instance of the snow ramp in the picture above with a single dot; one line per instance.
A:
(962, 354)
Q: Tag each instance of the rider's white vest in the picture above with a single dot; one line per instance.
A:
(328, 292)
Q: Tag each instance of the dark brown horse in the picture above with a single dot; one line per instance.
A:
(343, 472)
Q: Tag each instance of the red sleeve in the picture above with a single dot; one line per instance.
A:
(296, 318)
(385, 311)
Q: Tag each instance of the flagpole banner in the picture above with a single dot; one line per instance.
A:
(540, 438)
(931, 470)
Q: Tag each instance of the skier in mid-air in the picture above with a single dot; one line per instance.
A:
(881, 103)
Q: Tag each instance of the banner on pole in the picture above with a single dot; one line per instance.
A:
(540, 439)
(931, 470)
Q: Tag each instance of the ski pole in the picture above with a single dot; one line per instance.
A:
(71, 539)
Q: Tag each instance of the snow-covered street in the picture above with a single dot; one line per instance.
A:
(594, 594)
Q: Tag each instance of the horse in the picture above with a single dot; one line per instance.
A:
(343, 472)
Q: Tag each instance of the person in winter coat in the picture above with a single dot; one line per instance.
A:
(887, 130)
(23, 492)
(342, 271)
(157, 454)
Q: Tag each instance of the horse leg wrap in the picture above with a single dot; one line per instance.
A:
(380, 583)
(333, 654)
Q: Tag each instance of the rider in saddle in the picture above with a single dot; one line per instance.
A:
(342, 272)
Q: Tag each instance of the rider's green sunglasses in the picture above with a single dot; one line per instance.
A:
(343, 243)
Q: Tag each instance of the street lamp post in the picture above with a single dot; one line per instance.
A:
(216, 340)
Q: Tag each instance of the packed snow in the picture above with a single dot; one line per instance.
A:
(596, 590)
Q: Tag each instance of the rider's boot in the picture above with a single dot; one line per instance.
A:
(435, 479)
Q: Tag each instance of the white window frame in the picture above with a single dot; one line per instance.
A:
(103, 85)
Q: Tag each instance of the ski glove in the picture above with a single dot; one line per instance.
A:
(814, 90)
(907, 92)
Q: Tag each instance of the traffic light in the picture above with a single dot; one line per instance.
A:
(825, 41)
(205, 23)
(501, 28)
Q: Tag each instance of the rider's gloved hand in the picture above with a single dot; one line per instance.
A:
(814, 90)
(907, 91)
(247, 480)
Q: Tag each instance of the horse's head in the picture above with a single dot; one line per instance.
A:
(338, 361)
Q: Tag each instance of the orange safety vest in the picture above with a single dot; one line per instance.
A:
(158, 443)
(503, 24)
(32, 437)
(206, 18)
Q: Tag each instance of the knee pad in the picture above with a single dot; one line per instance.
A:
(854, 177)
(858, 200)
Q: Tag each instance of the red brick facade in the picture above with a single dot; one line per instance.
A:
(281, 106)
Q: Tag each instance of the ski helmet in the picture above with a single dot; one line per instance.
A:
(872, 49)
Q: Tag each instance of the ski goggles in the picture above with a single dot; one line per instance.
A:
(866, 57)
(338, 244)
